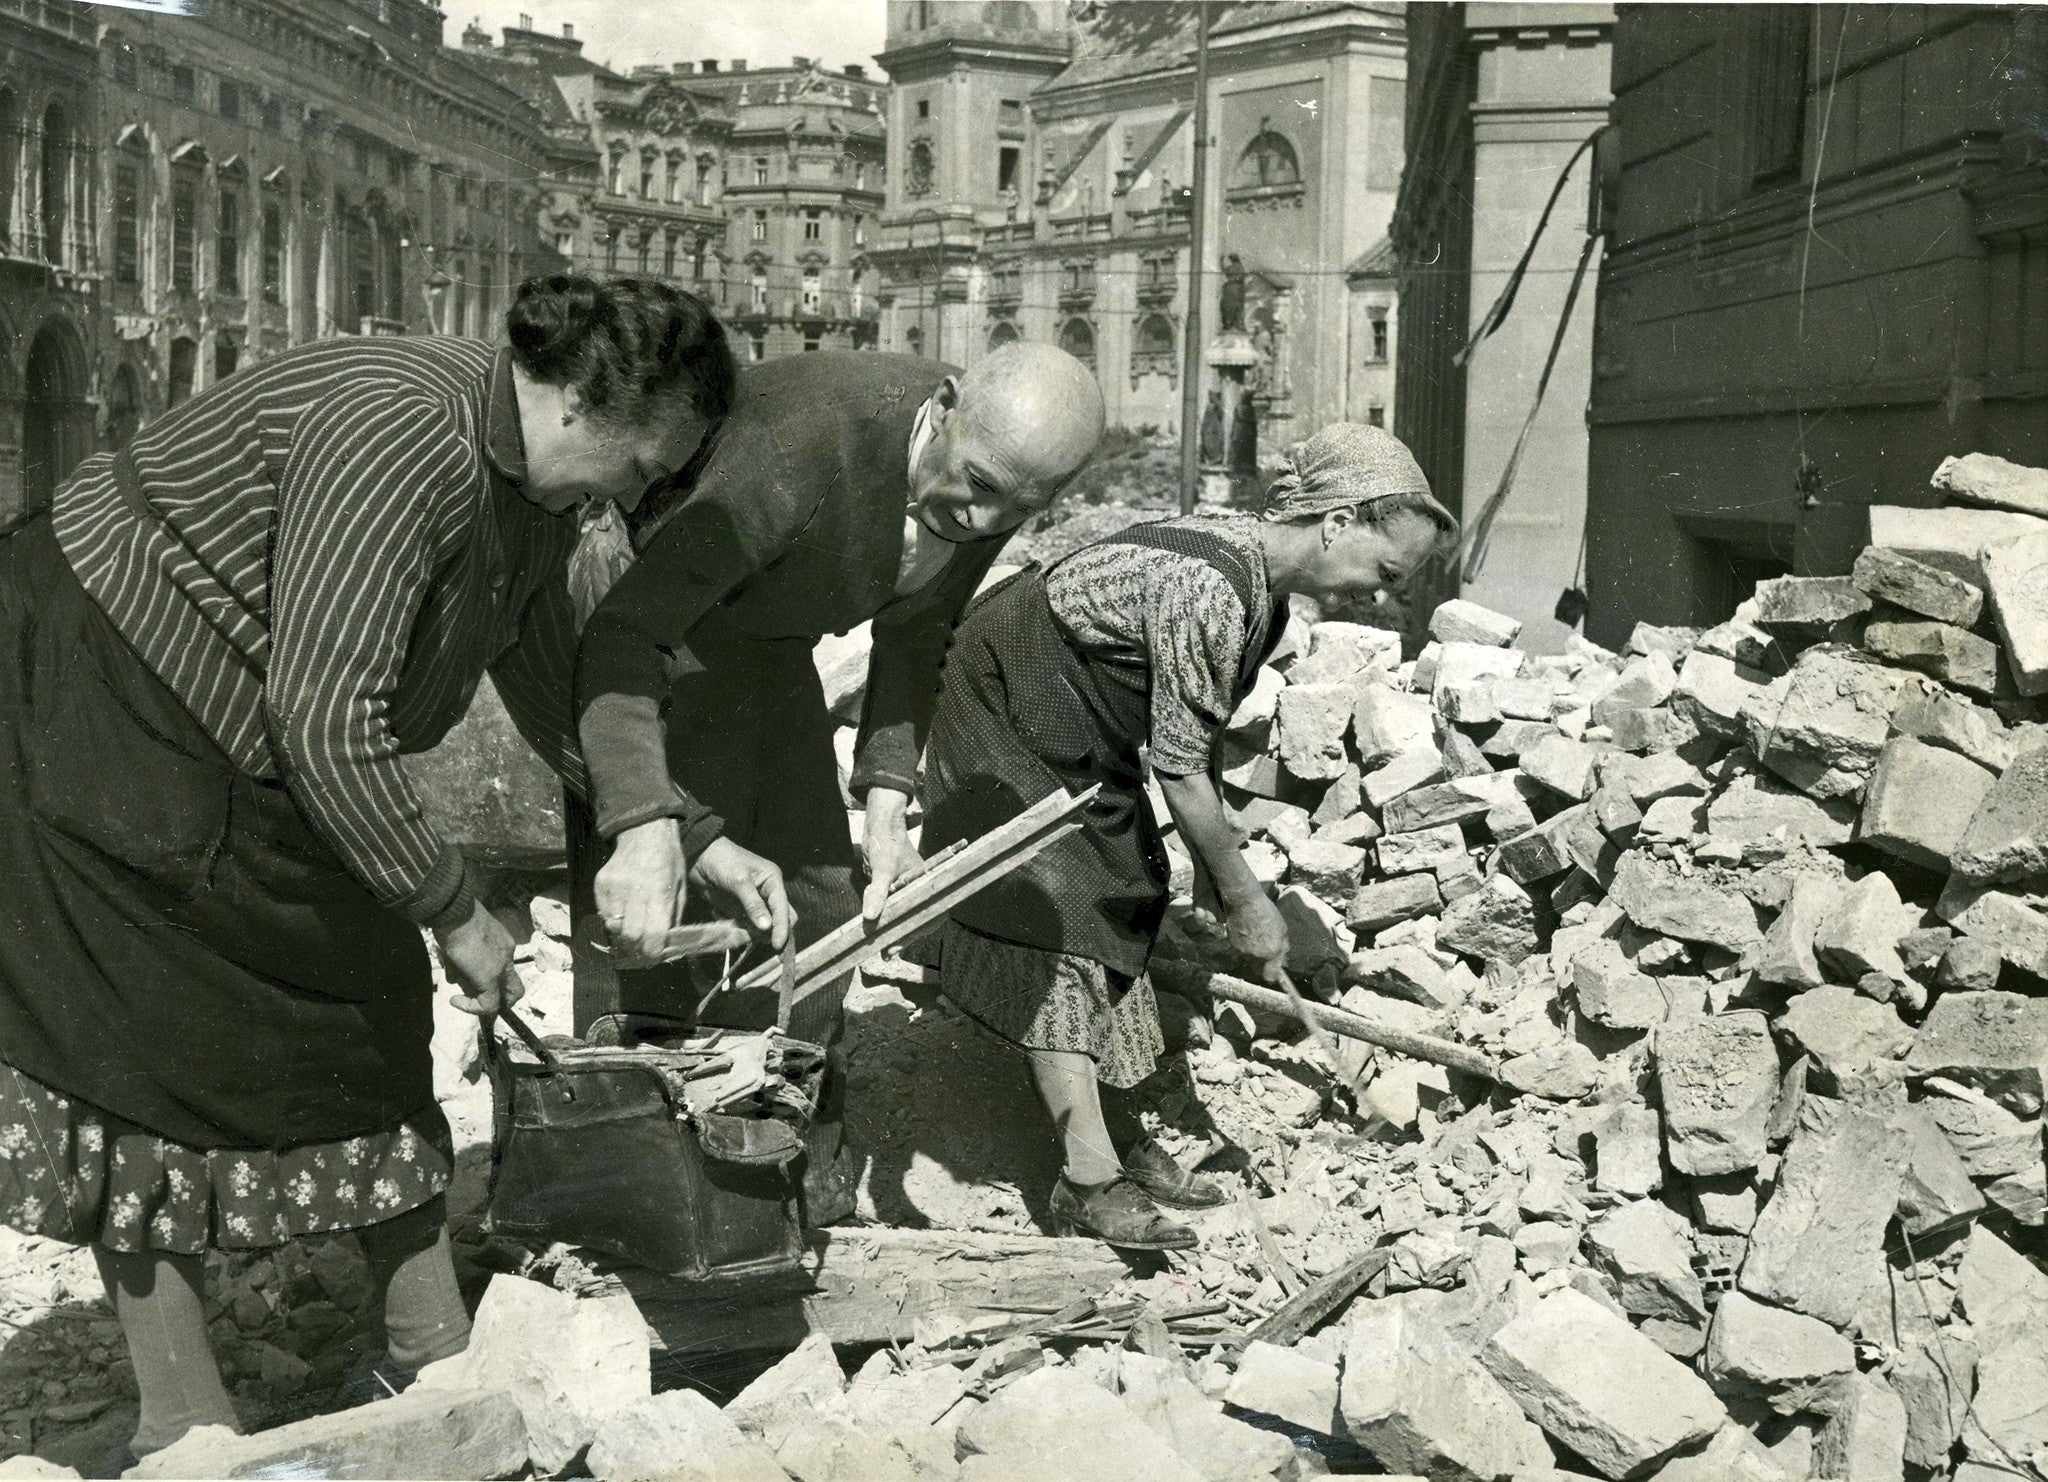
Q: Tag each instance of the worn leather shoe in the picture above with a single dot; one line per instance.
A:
(1151, 1168)
(1117, 1213)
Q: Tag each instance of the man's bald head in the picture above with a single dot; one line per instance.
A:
(1006, 436)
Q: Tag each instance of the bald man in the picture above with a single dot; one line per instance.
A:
(844, 487)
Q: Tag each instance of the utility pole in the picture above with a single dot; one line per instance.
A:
(1198, 215)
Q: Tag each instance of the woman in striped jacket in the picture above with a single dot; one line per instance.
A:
(215, 647)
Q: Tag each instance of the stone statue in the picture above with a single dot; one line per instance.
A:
(1210, 448)
(1231, 307)
(1244, 434)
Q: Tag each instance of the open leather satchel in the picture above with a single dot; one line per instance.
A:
(671, 1147)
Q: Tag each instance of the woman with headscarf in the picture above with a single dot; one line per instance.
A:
(1057, 680)
(215, 649)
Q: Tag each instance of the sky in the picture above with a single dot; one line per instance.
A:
(621, 33)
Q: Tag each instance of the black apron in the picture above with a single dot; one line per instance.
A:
(1024, 710)
(177, 946)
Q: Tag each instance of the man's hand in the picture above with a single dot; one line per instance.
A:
(886, 849)
(478, 956)
(640, 891)
(1259, 932)
(750, 885)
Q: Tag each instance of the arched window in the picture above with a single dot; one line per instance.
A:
(1152, 347)
(813, 292)
(131, 182)
(616, 177)
(647, 158)
(858, 295)
(184, 360)
(674, 194)
(918, 181)
(1267, 161)
(757, 288)
(706, 166)
(1077, 338)
(1005, 333)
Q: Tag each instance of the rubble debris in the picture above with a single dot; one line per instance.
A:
(2016, 575)
(1599, 1387)
(1791, 1361)
(421, 1433)
(678, 1434)
(1717, 1076)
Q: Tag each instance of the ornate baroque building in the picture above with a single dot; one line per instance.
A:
(756, 188)
(1041, 159)
(189, 193)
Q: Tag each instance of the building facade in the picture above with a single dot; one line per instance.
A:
(1041, 170)
(1502, 103)
(209, 189)
(1826, 256)
(755, 188)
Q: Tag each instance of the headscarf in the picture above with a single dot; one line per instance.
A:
(1346, 465)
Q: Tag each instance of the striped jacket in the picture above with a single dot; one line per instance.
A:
(320, 557)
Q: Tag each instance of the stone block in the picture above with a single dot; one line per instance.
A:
(1460, 621)
(1661, 774)
(1822, 726)
(1628, 1152)
(1937, 1192)
(1647, 1252)
(1462, 756)
(2006, 837)
(1598, 1387)
(1950, 654)
(1543, 852)
(1844, 1032)
(1056, 1424)
(1387, 723)
(1496, 923)
(1286, 1384)
(1345, 653)
(1418, 1403)
(1717, 1077)
(1952, 539)
(1341, 799)
(1987, 480)
(1425, 849)
(1251, 770)
(1316, 935)
(1455, 801)
(2005, 1297)
(564, 1361)
(805, 1382)
(1865, 1439)
(421, 1433)
(1969, 964)
(1742, 642)
(1512, 738)
(1159, 1393)
(1691, 908)
(1402, 775)
(1310, 729)
(1935, 1385)
(1563, 765)
(1644, 682)
(1790, 1360)
(1331, 870)
(1529, 698)
(1758, 813)
(1461, 663)
(1654, 728)
(1649, 638)
(1894, 577)
(1676, 820)
(1560, 1070)
(1713, 690)
(1859, 934)
(1921, 801)
(1991, 1141)
(1381, 903)
(2016, 575)
(1613, 992)
(831, 1448)
(1818, 1246)
(1404, 972)
(1261, 703)
(1807, 604)
(1940, 718)
(1996, 1043)
(1788, 957)
(1727, 1203)
(2014, 922)
(1615, 812)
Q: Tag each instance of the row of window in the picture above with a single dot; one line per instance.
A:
(667, 177)
(814, 226)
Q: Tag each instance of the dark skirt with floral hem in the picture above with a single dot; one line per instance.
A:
(71, 1172)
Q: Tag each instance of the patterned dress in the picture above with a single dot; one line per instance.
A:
(1187, 631)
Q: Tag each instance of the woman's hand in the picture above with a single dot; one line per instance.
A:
(751, 886)
(1258, 932)
(478, 955)
(886, 849)
(641, 890)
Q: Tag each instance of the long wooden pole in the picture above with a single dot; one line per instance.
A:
(1180, 977)
(1198, 218)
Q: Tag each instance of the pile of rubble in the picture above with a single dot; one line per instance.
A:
(1752, 920)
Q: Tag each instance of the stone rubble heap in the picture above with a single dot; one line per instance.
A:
(1755, 921)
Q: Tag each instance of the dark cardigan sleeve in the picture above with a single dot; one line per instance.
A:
(740, 518)
(903, 674)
